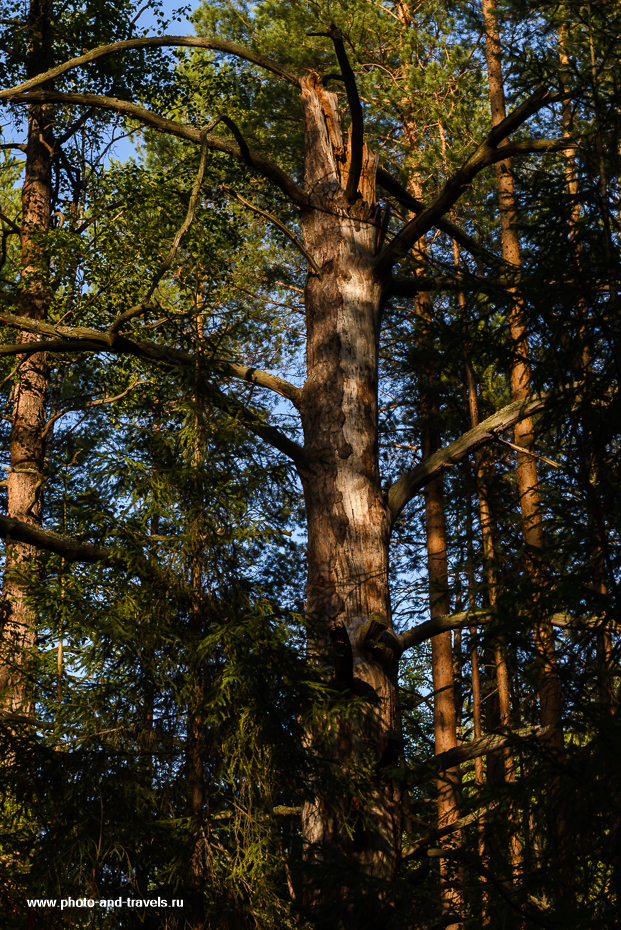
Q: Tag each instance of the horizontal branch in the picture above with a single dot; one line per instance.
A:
(12, 719)
(491, 742)
(487, 153)
(424, 631)
(410, 287)
(268, 169)
(404, 489)
(479, 616)
(73, 550)
(252, 421)
(83, 339)
(413, 851)
(144, 42)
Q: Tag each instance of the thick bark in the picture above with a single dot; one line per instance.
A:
(25, 479)
(348, 522)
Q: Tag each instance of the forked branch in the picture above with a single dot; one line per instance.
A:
(396, 190)
(487, 153)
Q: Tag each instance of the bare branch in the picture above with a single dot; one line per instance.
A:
(409, 287)
(91, 403)
(252, 421)
(153, 352)
(355, 108)
(268, 169)
(217, 45)
(164, 267)
(12, 226)
(471, 245)
(276, 222)
(535, 455)
(404, 489)
(413, 851)
(424, 631)
(52, 345)
(14, 145)
(83, 339)
(9, 719)
(486, 154)
(491, 742)
(479, 616)
(73, 550)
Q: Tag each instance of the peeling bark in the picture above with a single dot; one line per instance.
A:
(348, 521)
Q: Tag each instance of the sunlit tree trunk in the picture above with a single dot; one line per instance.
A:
(348, 598)
(25, 479)
(444, 712)
(488, 532)
(528, 487)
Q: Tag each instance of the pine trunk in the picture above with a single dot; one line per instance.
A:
(528, 486)
(348, 598)
(25, 479)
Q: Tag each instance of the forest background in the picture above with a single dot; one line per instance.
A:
(310, 431)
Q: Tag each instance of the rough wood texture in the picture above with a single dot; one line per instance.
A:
(550, 696)
(348, 521)
(25, 478)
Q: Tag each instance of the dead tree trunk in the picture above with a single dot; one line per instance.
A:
(348, 521)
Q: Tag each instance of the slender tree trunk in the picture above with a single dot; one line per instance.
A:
(348, 598)
(583, 363)
(444, 715)
(25, 478)
(444, 705)
(488, 531)
(528, 487)
(477, 721)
